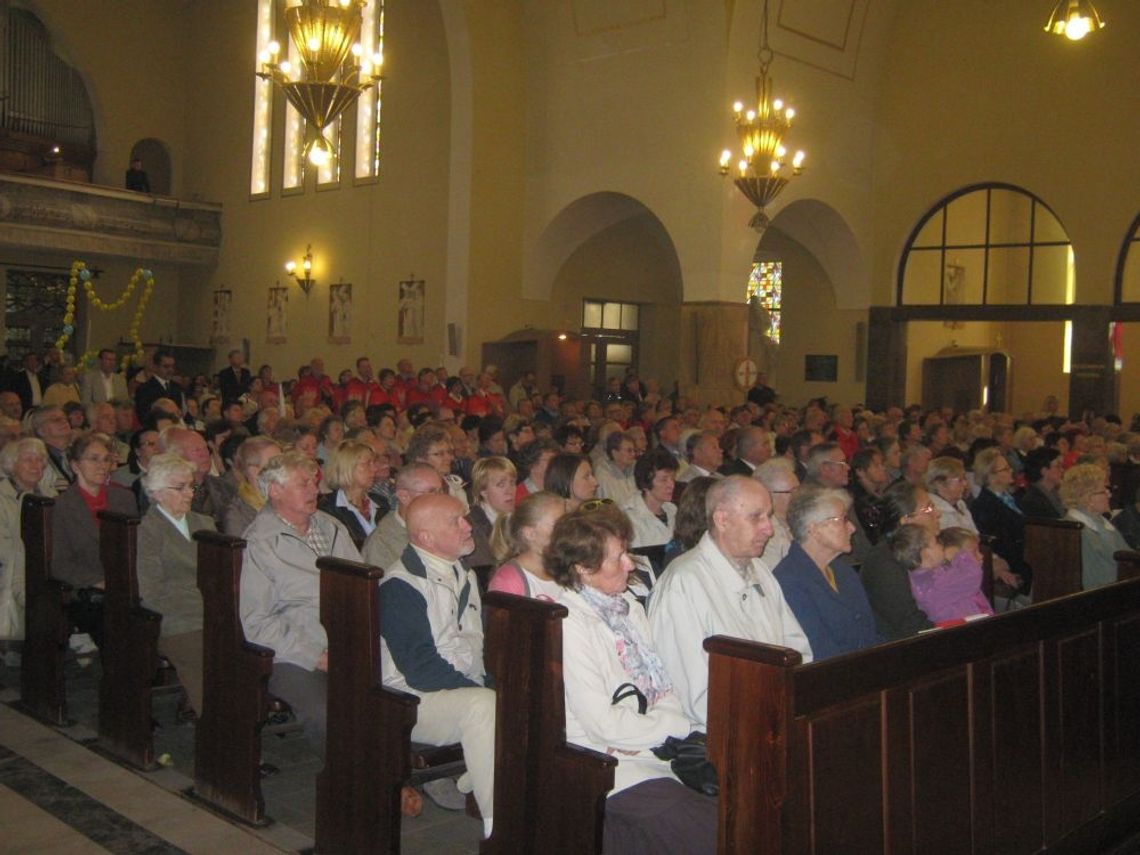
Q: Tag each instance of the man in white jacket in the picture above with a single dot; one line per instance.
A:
(721, 587)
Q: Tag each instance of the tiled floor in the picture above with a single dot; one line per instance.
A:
(57, 795)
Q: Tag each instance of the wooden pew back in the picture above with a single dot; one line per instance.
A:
(369, 728)
(235, 693)
(1015, 734)
(130, 647)
(46, 623)
(1127, 564)
(549, 795)
(1053, 550)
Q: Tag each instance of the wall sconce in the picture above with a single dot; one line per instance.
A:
(305, 278)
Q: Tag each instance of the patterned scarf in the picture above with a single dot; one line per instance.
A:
(640, 661)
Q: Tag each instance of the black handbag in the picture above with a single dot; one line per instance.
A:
(688, 757)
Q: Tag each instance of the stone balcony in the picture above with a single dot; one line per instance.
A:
(65, 216)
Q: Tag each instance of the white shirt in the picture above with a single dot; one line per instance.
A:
(702, 595)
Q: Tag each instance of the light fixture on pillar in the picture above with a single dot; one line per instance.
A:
(305, 277)
(762, 168)
(1074, 19)
(333, 69)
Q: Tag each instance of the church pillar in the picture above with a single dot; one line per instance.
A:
(714, 338)
(1092, 381)
(886, 359)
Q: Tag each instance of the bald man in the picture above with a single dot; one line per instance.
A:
(431, 629)
(388, 541)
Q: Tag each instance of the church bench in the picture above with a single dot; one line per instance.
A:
(235, 689)
(1127, 564)
(130, 648)
(549, 795)
(46, 623)
(1018, 733)
(1053, 550)
(368, 756)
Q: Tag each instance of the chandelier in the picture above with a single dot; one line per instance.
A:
(1074, 19)
(762, 166)
(332, 71)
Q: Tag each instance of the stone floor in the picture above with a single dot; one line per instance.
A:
(58, 795)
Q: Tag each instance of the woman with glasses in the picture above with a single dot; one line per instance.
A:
(168, 567)
(946, 483)
(1084, 490)
(885, 580)
(75, 528)
(819, 585)
(997, 514)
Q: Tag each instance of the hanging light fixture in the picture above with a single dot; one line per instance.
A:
(762, 167)
(333, 69)
(1074, 19)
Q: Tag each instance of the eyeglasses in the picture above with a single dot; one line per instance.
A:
(826, 520)
(929, 509)
(594, 504)
(842, 463)
(180, 488)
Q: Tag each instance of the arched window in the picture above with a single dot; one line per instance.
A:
(987, 245)
(1128, 267)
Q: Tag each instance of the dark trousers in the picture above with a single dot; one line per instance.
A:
(85, 611)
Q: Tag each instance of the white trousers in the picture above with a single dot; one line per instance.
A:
(466, 716)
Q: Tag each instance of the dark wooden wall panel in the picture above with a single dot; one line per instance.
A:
(846, 757)
(940, 736)
(1122, 707)
(1012, 724)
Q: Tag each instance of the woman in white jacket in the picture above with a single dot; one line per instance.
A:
(607, 647)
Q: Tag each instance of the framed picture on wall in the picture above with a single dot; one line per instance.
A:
(340, 313)
(220, 322)
(821, 367)
(277, 316)
(410, 312)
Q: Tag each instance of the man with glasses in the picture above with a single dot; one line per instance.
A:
(387, 543)
(431, 444)
(51, 425)
(827, 467)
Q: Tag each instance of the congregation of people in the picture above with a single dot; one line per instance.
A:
(656, 521)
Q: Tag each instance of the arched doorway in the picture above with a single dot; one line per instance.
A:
(156, 163)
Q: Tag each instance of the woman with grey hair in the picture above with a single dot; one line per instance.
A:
(998, 515)
(22, 462)
(1084, 490)
(819, 585)
(168, 566)
(779, 476)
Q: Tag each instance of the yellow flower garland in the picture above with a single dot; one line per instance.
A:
(79, 272)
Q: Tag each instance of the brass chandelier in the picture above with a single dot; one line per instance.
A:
(333, 70)
(761, 168)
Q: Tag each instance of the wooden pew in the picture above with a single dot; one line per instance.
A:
(1053, 550)
(47, 627)
(130, 648)
(369, 728)
(235, 693)
(1017, 733)
(1127, 564)
(549, 795)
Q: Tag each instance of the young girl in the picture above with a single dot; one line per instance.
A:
(945, 572)
(521, 536)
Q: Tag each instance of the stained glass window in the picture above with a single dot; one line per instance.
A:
(765, 288)
(35, 303)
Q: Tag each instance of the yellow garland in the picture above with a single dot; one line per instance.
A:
(77, 269)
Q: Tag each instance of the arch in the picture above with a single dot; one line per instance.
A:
(1124, 268)
(823, 232)
(582, 220)
(155, 157)
(992, 221)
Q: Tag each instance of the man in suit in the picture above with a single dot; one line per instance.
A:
(160, 385)
(1044, 470)
(29, 382)
(752, 449)
(102, 384)
(234, 380)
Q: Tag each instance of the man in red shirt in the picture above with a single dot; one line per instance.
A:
(363, 387)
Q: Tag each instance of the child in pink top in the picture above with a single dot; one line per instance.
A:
(945, 572)
(521, 536)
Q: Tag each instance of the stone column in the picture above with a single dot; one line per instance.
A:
(714, 337)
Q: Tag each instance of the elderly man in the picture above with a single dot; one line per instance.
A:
(51, 425)
(614, 468)
(280, 586)
(390, 538)
(752, 448)
(431, 629)
(101, 418)
(827, 467)
(102, 383)
(212, 495)
(721, 587)
(705, 456)
(778, 475)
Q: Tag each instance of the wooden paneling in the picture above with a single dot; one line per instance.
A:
(940, 777)
(846, 757)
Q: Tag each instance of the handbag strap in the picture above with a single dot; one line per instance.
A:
(628, 690)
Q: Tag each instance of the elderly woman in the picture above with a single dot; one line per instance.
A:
(946, 483)
(249, 460)
(572, 478)
(609, 664)
(652, 512)
(997, 514)
(884, 579)
(493, 482)
(350, 472)
(819, 585)
(22, 463)
(1084, 490)
(168, 567)
(75, 529)
(779, 476)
